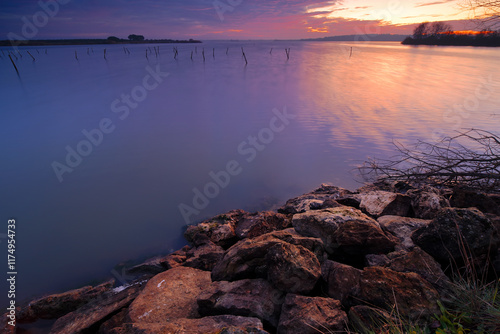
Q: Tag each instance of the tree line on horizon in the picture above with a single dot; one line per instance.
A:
(440, 33)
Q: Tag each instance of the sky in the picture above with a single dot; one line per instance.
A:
(221, 19)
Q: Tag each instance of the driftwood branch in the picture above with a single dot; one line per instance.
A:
(471, 159)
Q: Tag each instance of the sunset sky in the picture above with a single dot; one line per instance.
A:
(223, 19)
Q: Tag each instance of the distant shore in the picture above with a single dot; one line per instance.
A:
(49, 42)
(489, 40)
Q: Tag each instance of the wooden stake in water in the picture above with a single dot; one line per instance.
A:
(191, 55)
(227, 51)
(88, 51)
(351, 53)
(213, 53)
(104, 53)
(287, 53)
(32, 56)
(244, 56)
(14, 64)
(271, 52)
(76, 56)
(147, 54)
(203, 53)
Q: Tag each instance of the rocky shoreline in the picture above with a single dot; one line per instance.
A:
(328, 261)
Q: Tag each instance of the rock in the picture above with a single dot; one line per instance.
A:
(291, 236)
(221, 324)
(58, 305)
(443, 237)
(159, 264)
(419, 262)
(364, 319)
(486, 203)
(415, 298)
(311, 315)
(247, 258)
(220, 230)
(402, 228)
(376, 260)
(204, 257)
(115, 321)
(427, 202)
(170, 295)
(314, 200)
(383, 203)
(292, 268)
(253, 225)
(89, 317)
(342, 281)
(345, 229)
(248, 297)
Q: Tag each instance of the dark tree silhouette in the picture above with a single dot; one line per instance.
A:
(421, 30)
(113, 39)
(136, 38)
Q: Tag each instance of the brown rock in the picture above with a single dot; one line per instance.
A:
(247, 258)
(382, 203)
(452, 228)
(87, 317)
(170, 295)
(204, 257)
(220, 230)
(58, 305)
(221, 324)
(346, 229)
(342, 281)
(419, 262)
(402, 228)
(486, 203)
(292, 268)
(314, 200)
(159, 264)
(415, 298)
(249, 297)
(427, 202)
(253, 225)
(311, 315)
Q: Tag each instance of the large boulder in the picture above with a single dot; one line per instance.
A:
(414, 297)
(419, 262)
(456, 231)
(249, 297)
(248, 258)
(402, 228)
(466, 198)
(220, 230)
(342, 281)
(311, 315)
(86, 318)
(345, 229)
(58, 305)
(292, 268)
(170, 295)
(221, 324)
(381, 203)
(315, 200)
(253, 225)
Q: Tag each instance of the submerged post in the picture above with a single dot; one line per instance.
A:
(14, 64)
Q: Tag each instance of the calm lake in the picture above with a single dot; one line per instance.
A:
(106, 160)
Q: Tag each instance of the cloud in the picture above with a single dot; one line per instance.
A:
(424, 4)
